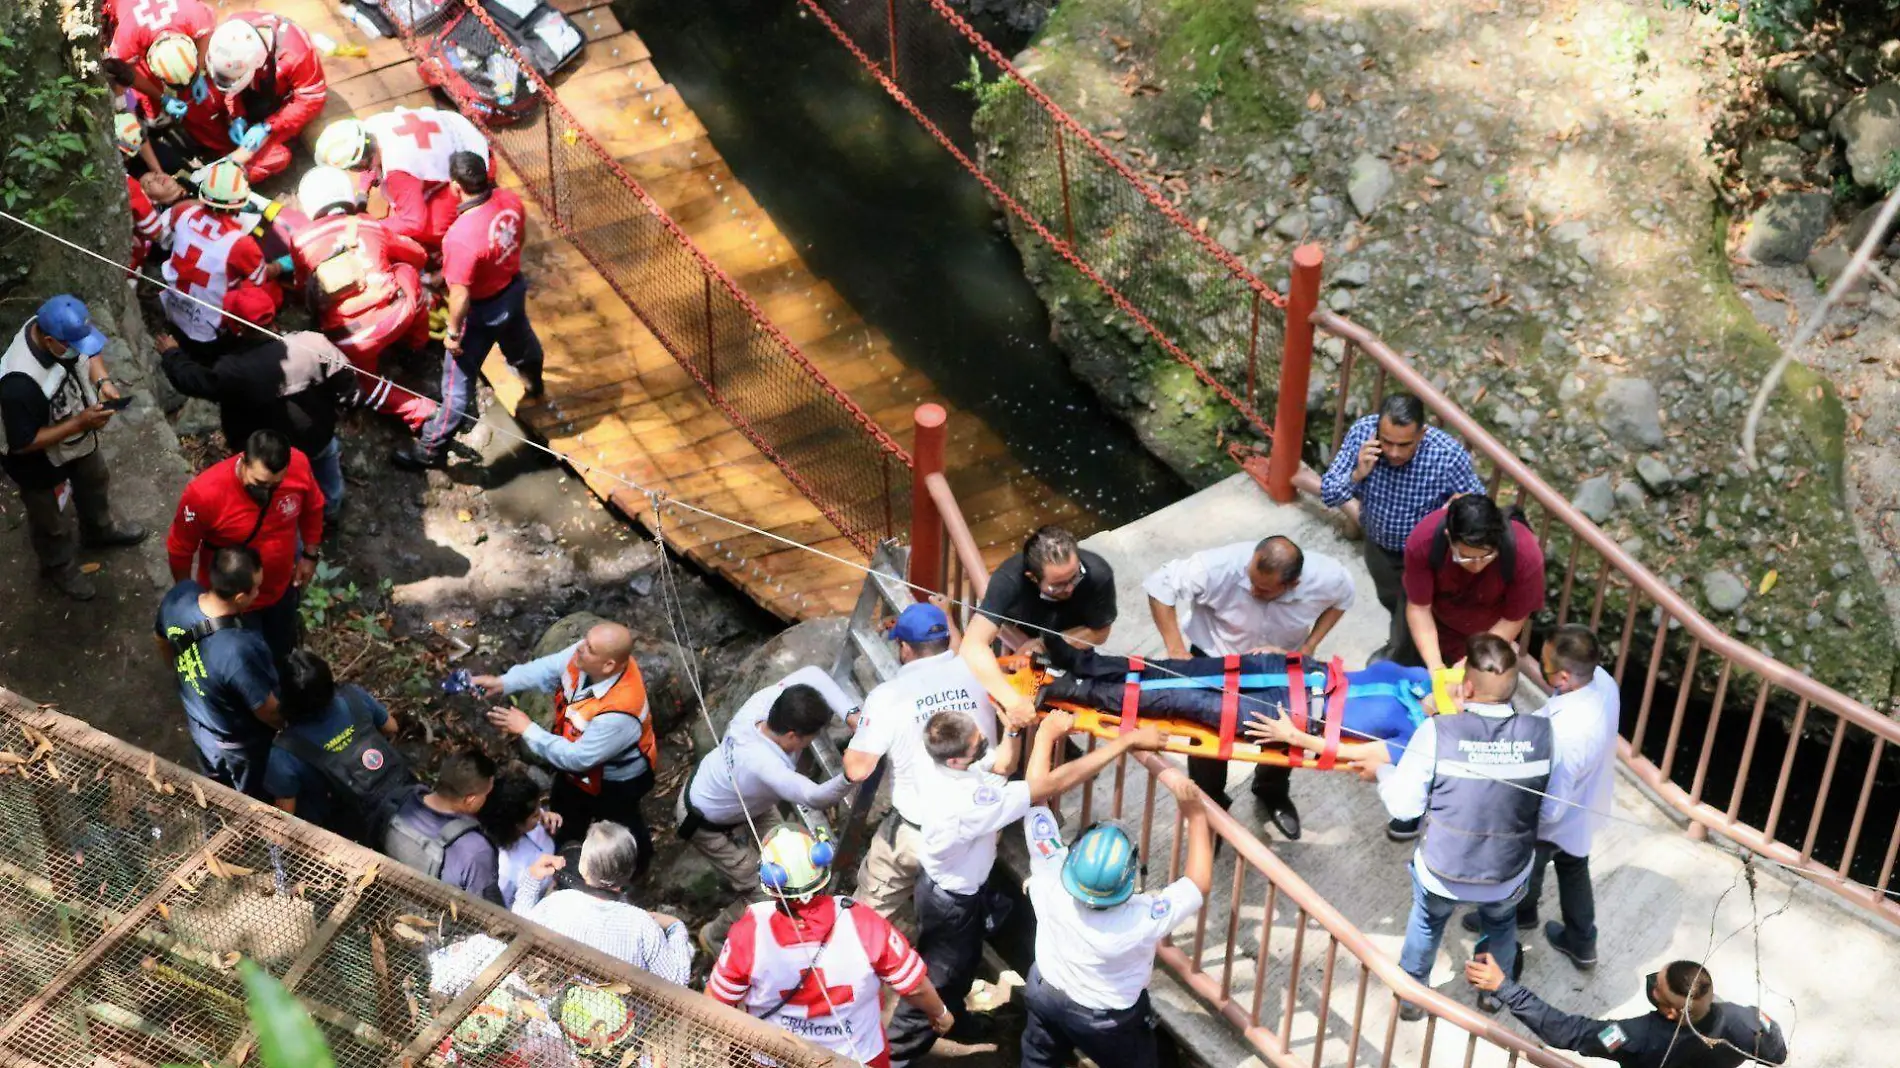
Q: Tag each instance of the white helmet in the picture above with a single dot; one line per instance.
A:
(236, 54)
(344, 143)
(324, 188)
(173, 58)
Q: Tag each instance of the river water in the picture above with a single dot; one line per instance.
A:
(881, 212)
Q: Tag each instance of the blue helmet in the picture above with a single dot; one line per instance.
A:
(1101, 868)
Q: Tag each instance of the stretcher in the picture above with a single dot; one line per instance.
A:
(1327, 686)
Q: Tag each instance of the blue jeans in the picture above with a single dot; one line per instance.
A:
(501, 319)
(1425, 929)
(327, 467)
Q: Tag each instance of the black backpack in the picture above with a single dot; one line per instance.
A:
(1507, 548)
(369, 779)
(421, 850)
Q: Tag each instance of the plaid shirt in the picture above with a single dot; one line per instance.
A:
(1393, 499)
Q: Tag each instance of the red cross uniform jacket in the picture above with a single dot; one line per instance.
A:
(217, 512)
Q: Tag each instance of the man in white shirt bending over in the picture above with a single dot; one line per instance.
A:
(1096, 937)
(972, 802)
(1249, 597)
(736, 790)
(1583, 710)
(933, 679)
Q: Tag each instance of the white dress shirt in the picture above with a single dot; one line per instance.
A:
(1406, 789)
(893, 723)
(748, 774)
(1101, 958)
(627, 932)
(1583, 726)
(967, 810)
(1224, 617)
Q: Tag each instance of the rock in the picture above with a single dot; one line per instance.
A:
(1293, 225)
(1631, 497)
(1627, 410)
(1884, 306)
(1353, 274)
(1864, 223)
(1887, 57)
(1844, 609)
(815, 642)
(1595, 500)
(197, 417)
(1339, 300)
(1813, 621)
(1870, 127)
(1860, 66)
(1655, 474)
(1813, 96)
(1768, 160)
(1369, 183)
(1828, 263)
(1784, 228)
(1569, 233)
(1723, 591)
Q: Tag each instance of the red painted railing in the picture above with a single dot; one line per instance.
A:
(833, 451)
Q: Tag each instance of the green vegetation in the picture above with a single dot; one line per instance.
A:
(1204, 44)
(1889, 172)
(47, 162)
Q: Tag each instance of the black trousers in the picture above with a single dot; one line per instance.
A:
(1574, 895)
(281, 624)
(618, 801)
(950, 939)
(1269, 783)
(1057, 1028)
(1388, 580)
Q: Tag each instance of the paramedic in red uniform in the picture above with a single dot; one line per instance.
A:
(813, 964)
(266, 498)
(213, 254)
(268, 79)
(139, 26)
(602, 742)
(368, 287)
(406, 153)
(481, 262)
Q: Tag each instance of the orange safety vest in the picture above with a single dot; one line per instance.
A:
(626, 697)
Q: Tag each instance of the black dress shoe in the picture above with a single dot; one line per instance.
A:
(1584, 957)
(115, 537)
(1403, 830)
(1410, 1012)
(413, 457)
(1284, 817)
(1470, 922)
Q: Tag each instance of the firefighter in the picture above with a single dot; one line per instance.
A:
(364, 285)
(268, 77)
(405, 152)
(214, 253)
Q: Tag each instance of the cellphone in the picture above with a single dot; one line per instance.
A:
(118, 405)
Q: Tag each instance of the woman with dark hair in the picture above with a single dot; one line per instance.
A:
(516, 821)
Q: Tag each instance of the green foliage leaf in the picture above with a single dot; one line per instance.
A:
(286, 1036)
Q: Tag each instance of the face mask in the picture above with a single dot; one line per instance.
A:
(259, 494)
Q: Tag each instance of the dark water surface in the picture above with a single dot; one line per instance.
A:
(879, 210)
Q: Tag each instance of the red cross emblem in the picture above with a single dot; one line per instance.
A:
(190, 275)
(812, 995)
(417, 129)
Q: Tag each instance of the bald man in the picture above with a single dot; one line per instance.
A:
(602, 738)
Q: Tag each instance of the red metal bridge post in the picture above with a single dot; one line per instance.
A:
(926, 525)
(1296, 368)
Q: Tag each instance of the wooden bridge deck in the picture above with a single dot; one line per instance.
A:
(617, 400)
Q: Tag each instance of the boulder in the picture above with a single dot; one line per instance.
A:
(1864, 223)
(1723, 591)
(1629, 412)
(1870, 128)
(1829, 262)
(812, 643)
(1769, 160)
(1353, 274)
(1809, 91)
(1595, 500)
(1370, 181)
(1655, 474)
(1785, 227)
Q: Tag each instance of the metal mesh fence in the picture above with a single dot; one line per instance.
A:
(834, 452)
(130, 888)
(1152, 267)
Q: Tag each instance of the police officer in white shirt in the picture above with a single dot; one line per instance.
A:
(932, 679)
(736, 790)
(1480, 777)
(1095, 937)
(1248, 597)
(1583, 710)
(971, 803)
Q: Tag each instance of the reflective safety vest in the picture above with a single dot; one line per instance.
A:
(67, 389)
(1487, 783)
(626, 697)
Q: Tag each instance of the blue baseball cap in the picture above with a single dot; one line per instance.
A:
(65, 319)
(921, 623)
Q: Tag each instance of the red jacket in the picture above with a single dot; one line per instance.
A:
(216, 512)
(289, 102)
(364, 322)
(140, 22)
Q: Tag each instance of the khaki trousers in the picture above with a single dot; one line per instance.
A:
(889, 869)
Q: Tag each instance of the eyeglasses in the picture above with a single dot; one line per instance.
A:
(1050, 589)
(1481, 558)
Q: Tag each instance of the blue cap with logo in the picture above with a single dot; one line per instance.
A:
(65, 319)
(921, 623)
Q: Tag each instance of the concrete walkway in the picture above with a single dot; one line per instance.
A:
(1825, 970)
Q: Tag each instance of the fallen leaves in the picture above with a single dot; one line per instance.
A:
(1767, 582)
(1316, 101)
(407, 933)
(88, 569)
(224, 870)
(198, 795)
(368, 877)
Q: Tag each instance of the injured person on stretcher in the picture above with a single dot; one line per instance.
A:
(1240, 707)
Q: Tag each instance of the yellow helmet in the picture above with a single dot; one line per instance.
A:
(225, 186)
(173, 59)
(127, 133)
(793, 865)
(343, 144)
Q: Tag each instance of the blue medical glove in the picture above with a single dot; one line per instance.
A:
(254, 136)
(175, 107)
(288, 265)
(200, 90)
(238, 126)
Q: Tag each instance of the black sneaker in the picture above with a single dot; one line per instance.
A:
(413, 457)
(1404, 830)
(117, 536)
(1471, 923)
(1584, 957)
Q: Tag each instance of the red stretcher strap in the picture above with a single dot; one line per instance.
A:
(1296, 705)
(1335, 711)
(1229, 706)
(1131, 694)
